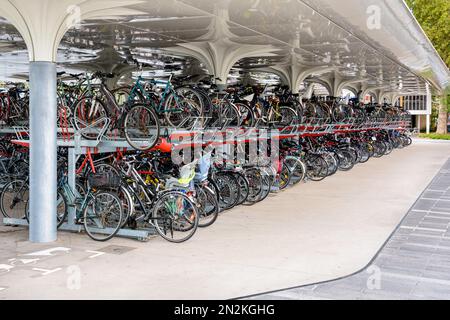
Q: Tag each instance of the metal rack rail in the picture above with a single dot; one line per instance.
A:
(179, 139)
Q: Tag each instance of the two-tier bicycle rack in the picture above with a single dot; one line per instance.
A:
(77, 147)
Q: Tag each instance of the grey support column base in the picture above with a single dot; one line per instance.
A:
(43, 149)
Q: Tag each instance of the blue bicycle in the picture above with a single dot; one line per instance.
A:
(178, 106)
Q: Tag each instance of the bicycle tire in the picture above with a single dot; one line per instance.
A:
(160, 205)
(118, 213)
(100, 112)
(151, 141)
(12, 205)
(206, 196)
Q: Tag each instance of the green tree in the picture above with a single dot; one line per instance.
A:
(434, 17)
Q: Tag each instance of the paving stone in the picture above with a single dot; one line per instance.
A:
(442, 204)
(412, 272)
(411, 222)
(423, 240)
(424, 204)
(394, 287)
(438, 275)
(432, 291)
(444, 243)
(442, 227)
(414, 263)
(441, 215)
(382, 295)
(439, 233)
(443, 251)
(439, 259)
(433, 194)
(438, 220)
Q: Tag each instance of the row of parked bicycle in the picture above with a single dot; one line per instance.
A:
(138, 112)
(146, 189)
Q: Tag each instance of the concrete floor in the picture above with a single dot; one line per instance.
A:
(414, 264)
(306, 234)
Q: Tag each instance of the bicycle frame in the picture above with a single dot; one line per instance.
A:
(73, 199)
(169, 89)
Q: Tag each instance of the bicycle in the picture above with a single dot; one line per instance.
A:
(94, 113)
(172, 213)
(178, 111)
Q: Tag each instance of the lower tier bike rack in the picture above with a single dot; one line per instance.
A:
(78, 147)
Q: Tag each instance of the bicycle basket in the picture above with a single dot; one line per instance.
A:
(104, 180)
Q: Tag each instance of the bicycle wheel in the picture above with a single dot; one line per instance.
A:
(379, 149)
(255, 185)
(229, 191)
(19, 169)
(316, 167)
(267, 183)
(332, 161)
(14, 198)
(103, 216)
(288, 117)
(243, 187)
(123, 193)
(181, 113)
(208, 205)
(175, 217)
(408, 141)
(191, 94)
(390, 147)
(365, 153)
(247, 118)
(90, 117)
(345, 160)
(229, 115)
(141, 127)
(297, 168)
(284, 177)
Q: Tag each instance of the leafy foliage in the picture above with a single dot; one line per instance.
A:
(434, 17)
(435, 136)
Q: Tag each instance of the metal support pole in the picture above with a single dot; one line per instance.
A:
(429, 107)
(71, 176)
(43, 151)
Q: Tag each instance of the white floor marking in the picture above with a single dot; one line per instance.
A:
(97, 253)
(48, 252)
(435, 199)
(14, 261)
(46, 272)
(1, 288)
(6, 267)
(424, 229)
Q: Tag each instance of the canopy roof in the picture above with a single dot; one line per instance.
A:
(326, 39)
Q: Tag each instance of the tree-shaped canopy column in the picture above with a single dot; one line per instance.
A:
(42, 24)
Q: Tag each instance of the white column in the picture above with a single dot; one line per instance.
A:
(429, 108)
(42, 24)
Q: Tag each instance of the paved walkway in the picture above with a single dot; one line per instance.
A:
(306, 234)
(414, 263)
